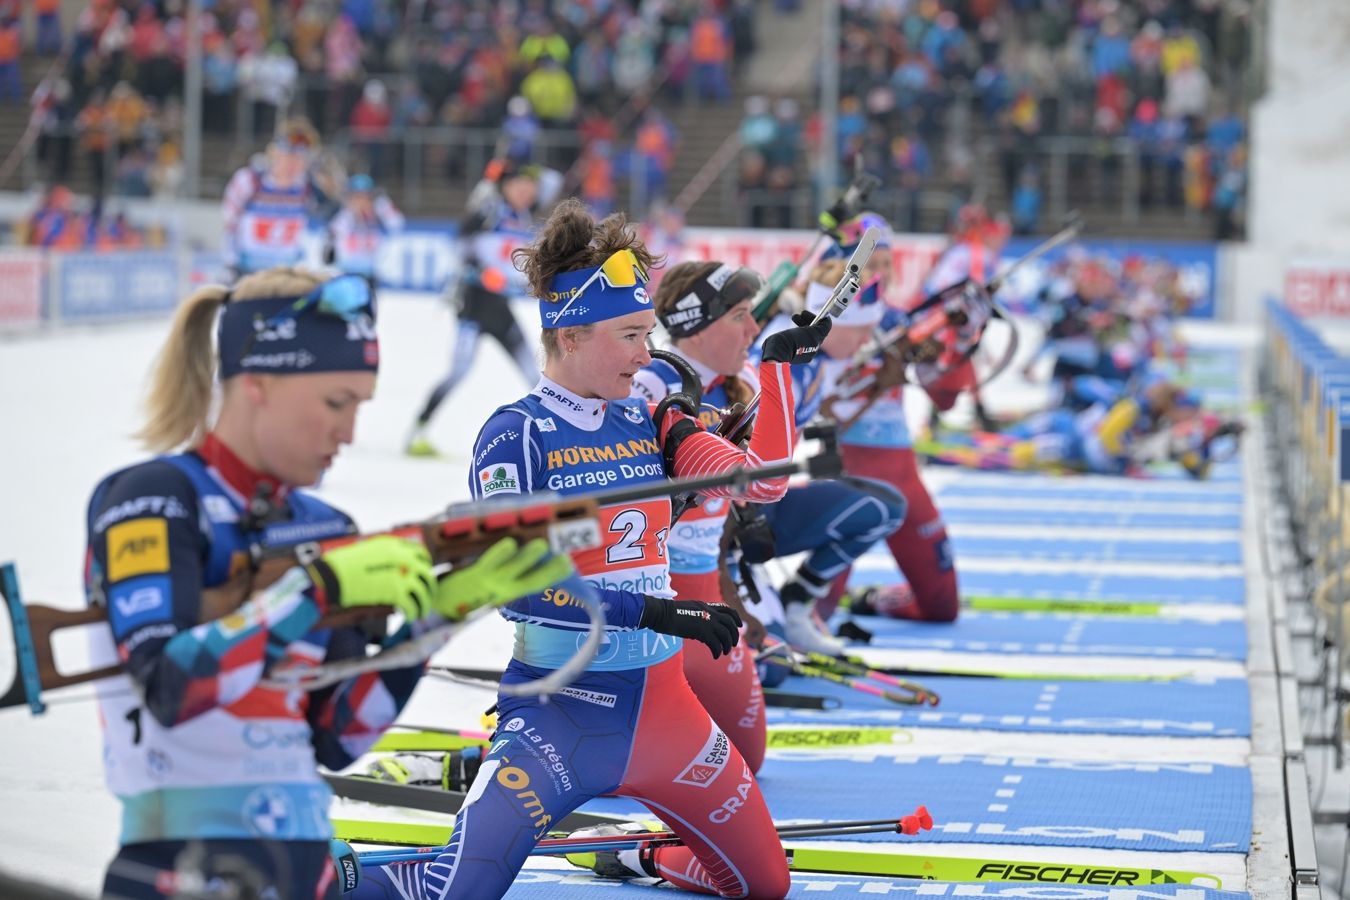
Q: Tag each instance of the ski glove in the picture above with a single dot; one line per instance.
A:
(797, 345)
(505, 572)
(714, 624)
(378, 571)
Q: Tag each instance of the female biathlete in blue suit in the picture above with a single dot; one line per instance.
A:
(216, 771)
(630, 726)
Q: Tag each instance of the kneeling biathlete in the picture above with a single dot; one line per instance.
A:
(630, 725)
(835, 521)
(705, 307)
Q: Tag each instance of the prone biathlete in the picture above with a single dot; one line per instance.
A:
(217, 771)
(878, 445)
(834, 521)
(630, 725)
(706, 309)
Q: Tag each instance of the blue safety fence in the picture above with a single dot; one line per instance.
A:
(1172, 708)
(1062, 634)
(1159, 806)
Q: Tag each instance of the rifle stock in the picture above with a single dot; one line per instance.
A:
(455, 537)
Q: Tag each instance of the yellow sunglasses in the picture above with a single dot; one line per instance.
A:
(620, 270)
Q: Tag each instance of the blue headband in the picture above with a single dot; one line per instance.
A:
(330, 329)
(587, 296)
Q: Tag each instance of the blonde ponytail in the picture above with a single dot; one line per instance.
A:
(178, 404)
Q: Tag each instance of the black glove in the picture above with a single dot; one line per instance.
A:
(712, 623)
(797, 345)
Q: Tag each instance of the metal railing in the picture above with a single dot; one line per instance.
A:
(909, 210)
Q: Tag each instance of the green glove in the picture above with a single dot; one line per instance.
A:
(504, 573)
(378, 571)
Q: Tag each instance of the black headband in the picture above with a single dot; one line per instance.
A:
(710, 298)
(329, 329)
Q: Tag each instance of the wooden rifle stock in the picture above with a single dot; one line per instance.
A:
(455, 537)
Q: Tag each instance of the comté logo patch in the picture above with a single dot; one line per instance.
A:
(499, 479)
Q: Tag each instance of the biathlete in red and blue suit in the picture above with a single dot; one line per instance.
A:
(631, 725)
(705, 307)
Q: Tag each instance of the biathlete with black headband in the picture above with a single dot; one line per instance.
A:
(630, 725)
(216, 770)
(706, 309)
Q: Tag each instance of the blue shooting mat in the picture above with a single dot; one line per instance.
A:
(1004, 800)
(1048, 489)
(1096, 549)
(566, 882)
(1218, 707)
(1080, 586)
(1088, 518)
(1225, 473)
(1063, 634)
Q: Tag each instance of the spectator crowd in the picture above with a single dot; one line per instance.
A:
(922, 81)
(567, 82)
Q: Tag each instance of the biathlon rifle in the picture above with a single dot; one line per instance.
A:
(491, 679)
(785, 273)
(736, 422)
(915, 338)
(455, 537)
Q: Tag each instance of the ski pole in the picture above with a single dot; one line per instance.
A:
(850, 669)
(919, 820)
(857, 668)
(855, 684)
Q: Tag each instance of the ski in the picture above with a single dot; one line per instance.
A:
(780, 737)
(387, 793)
(847, 862)
(418, 834)
(788, 700)
(957, 868)
(856, 684)
(401, 741)
(785, 738)
(1066, 605)
(1024, 676)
